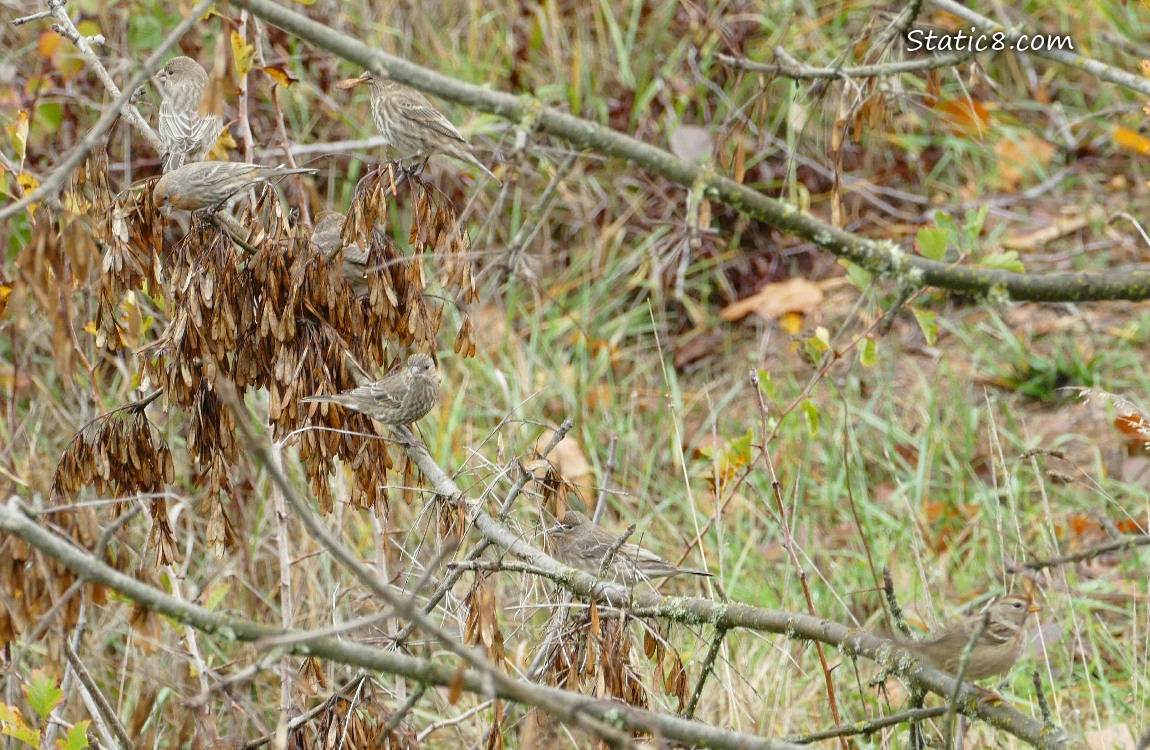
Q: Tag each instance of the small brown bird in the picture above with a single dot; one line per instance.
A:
(412, 125)
(995, 651)
(211, 184)
(581, 544)
(326, 239)
(186, 134)
(400, 398)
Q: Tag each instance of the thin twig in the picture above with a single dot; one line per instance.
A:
(964, 662)
(789, 545)
(709, 660)
(104, 711)
(67, 29)
(1129, 542)
(455, 572)
(94, 137)
(16, 519)
(535, 217)
(799, 72)
(866, 728)
(883, 257)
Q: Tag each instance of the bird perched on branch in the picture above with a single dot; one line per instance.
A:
(581, 544)
(326, 239)
(998, 645)
(187, 132)
(411, 124)
(400, 398)
(211, 184)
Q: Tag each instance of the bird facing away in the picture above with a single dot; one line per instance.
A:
(211, 184)
(411, 125)
(402, 397)
(997, 648)
(326, 239)
(581, 544)
(186, 134)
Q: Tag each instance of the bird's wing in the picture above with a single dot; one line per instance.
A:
(184, 129)
(423, 113)
(640, 555)
(388, 392)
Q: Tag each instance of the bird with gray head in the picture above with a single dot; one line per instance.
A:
(400, 398)
(583, 545)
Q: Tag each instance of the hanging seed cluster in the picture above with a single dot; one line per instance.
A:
(265, 313)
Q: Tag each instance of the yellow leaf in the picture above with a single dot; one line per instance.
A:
(90, 327)
(791, 322)
(28, 183)
(243, 53)
(1130, 140)
(279, 75)
(19, 133)
(48, 43)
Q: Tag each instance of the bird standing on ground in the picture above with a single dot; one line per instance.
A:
(326, 239)
(187, 134)
(581, 544)
(211, 184)
(411, 124)
(401, 398)
(998, 646)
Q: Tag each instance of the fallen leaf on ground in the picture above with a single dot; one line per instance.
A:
(779, 298)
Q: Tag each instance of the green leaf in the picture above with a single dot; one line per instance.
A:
(77, 738)
(766, 385)
(145, 31)
(858, 275)
(42, 693)
(927, 323)
(932, 243)
(811, 413)
(973, 222)
(216, 595)
(868, 352)
(1007, 261)
(741, 446)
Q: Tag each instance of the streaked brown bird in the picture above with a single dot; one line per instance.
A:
(998, 646)
(581, 544)
(412, 125)
(326, 239)
(400, 398)
(212, 184)
(187, 134)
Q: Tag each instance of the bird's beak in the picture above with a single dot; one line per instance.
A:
(350, 83)
(1034, 607)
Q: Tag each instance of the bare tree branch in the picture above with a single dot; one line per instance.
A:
(567, 706)
(698, 611)
(94, 137)
(882, 258)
